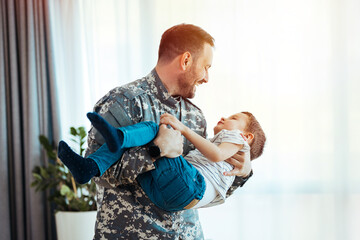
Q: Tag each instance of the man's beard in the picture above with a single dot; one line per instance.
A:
(186, 87)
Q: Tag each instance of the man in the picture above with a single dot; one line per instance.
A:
(124, 210)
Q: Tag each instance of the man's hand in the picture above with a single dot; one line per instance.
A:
(169, 141)
(242, 164)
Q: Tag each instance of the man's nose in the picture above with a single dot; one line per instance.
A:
(206, 78)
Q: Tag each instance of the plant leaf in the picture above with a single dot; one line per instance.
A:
(44, 141)
(64, 190)
(37, 176)
(73, 131)
(44, 173)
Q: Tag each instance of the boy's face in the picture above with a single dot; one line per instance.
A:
(236, 121)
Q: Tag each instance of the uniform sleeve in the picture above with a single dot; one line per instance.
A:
(124, 110)
(238, 182)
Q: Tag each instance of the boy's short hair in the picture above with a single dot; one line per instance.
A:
(182, 38)
(258, 143)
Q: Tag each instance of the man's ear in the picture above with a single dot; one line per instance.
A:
(186, 61)
(249, 137)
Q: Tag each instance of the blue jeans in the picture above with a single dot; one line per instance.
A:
(174, 182)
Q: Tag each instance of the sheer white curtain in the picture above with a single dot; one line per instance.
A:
(99, 45)
(294, 64)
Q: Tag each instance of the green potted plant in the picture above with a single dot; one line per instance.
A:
(73, 201)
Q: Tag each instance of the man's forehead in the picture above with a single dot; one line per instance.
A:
(207, 53)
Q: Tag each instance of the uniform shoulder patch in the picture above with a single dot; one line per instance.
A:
(133, 93)
(130, 90)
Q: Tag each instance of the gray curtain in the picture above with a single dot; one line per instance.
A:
(27, 108)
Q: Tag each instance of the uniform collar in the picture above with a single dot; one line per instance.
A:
(160, 91)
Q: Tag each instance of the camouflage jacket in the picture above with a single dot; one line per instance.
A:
(124, 210)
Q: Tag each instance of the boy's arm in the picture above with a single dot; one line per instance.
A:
(210, 150)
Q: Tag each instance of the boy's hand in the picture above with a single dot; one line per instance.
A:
(242, 164)
(169, 119)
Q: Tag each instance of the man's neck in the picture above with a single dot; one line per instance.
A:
(168, 76)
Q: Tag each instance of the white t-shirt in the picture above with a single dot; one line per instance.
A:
(213, 171)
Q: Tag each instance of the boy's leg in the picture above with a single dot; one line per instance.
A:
(83, 169)
(173, 184)
(124, 137)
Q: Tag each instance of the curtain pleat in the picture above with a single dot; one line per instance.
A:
(5, 232)
(28, 109)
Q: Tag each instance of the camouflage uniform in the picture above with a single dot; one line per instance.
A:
(124, 211)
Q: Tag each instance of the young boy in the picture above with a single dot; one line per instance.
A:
(175, 183)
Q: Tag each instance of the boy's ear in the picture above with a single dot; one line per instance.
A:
(249, 137)
(186, 61)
